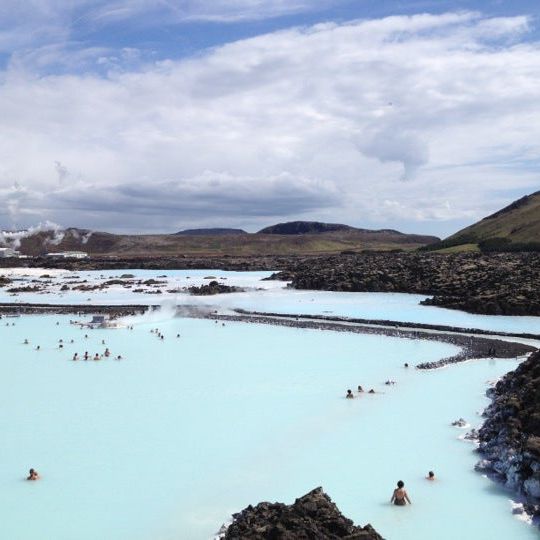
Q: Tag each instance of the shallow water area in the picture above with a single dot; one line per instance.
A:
(180, 433)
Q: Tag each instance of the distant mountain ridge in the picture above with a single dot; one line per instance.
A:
(216, 231)
(304, 227)
(515, 227)
(321, 239)
(319, 227)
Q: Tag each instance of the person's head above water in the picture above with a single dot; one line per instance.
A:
(431, 475)
(400, 484)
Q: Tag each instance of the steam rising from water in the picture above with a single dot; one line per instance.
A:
(166, 312)
(13, 238)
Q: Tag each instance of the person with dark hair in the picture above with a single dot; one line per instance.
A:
(430, 476)
(349, 394)
(32, 475)
(400, 497)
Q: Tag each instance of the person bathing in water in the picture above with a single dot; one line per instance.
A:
(400, 497)
(430, 475)
(32, 475)
(349, 394)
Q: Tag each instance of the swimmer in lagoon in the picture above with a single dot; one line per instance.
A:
(37, 348)
(430, 476)
(371, 391)
(400, 497)
(360, 389)
(97, 357)
(107, 353)
(406, 364)
(349, 394)
(86, 356)
(32, 475)
(75, 356)
(26, 342)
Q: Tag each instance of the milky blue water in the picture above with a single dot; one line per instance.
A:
(269, 296)
(168, 442)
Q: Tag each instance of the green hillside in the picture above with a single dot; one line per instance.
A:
(514, 228)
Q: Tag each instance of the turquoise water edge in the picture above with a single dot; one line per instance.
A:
(169, 441)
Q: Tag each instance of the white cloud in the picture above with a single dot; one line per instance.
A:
(206, 10)
(311, 121)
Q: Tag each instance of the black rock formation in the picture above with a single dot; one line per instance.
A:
(496, 284)
(510, 437)
(313, 516)
(212, 288)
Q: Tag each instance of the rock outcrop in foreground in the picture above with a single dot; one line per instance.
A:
(313, 516)
(510, 437)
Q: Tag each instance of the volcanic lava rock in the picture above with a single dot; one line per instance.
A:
(213, 287)
(510, 437)
(313, 516)
(495, 284)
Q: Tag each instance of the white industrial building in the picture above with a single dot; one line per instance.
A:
(6, 252)
(68, 255)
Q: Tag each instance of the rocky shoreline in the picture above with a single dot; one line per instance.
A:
(313, 516)
(254, 263)
(472, 346)
(509, 439)
(494, 284)
(73, 309)
(395, 324)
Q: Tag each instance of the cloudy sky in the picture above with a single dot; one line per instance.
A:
(158, 115)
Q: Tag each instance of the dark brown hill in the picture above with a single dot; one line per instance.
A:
(304, 227)
(236, 245)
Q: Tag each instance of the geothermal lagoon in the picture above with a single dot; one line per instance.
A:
(169, 441)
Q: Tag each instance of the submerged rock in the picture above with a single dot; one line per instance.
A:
(313, 516)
